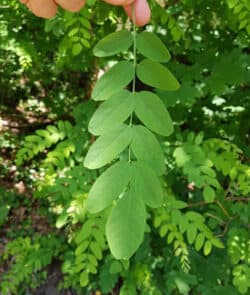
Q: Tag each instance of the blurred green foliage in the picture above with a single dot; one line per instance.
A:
(198, 242)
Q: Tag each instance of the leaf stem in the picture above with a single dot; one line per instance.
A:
(134, 65)
(134, 46)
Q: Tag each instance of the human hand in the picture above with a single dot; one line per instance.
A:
(48, 8)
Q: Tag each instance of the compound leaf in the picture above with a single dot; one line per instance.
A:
(151, 46)
(113, 44)
(108, 187)
(156, 75)
(112, 113)
(147, 185)
(113, 80)
(107, 147)
(209, 193)
(152, 112)
(146, 148)
(126, 225)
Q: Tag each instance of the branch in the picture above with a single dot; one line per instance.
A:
(228, 199)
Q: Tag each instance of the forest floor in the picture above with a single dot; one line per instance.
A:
(23, 217)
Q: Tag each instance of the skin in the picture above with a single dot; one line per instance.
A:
(142, 12)
(42, 8)
(71, 5)
(48, 8)
(119, 2)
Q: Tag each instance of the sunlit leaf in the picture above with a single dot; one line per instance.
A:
(113, 44)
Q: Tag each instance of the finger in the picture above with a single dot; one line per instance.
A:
(119, 2)
(42, 8)
(142, 12)
(23, 1)
(71, 5)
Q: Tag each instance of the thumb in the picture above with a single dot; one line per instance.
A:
(41, 8)
(71, 5)
(141, 10)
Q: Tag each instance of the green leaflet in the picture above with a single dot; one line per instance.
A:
(126, 225)
(119, 76)
(107, 147)
(207, 248)
(114, 181)
(209, 193)
(151, 46)
(146, 148)
(112, 113)
(200, 239)
(191, 234)
(156, 75)
(115, 267)
(108, 187)
(113, 44)
(147, 184)
(152, 112)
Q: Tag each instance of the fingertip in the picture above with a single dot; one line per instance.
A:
(119, 2)
(142, 12)
(72, 5)
(42, 8)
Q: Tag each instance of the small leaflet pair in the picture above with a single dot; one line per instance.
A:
(132, 151)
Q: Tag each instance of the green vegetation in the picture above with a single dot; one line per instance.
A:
(136, 181)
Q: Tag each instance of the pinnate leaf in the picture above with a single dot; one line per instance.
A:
(113, 43)
(199, 241)
(156, 75)
(126, 225)
(152, 112)
(108, 187)
(84, 278)
(146, 148)
(209, 193)
(151, 46)
(191, 233)
(207, 248)
(107, 147)
(112, 113)
(146, 184)
(113, 80)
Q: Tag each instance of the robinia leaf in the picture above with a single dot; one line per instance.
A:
(126, 225)
(147, 184)
(153, 113)
(108, 186)
(151, 46)
(209, 193)
(113, 80)
(156, 75)
(146, 148)
(199, 241)
(191, 233)
(113, 44)
(76, 49)
(112, 113)
(207, 248)
(107, 147)
(84, 279)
